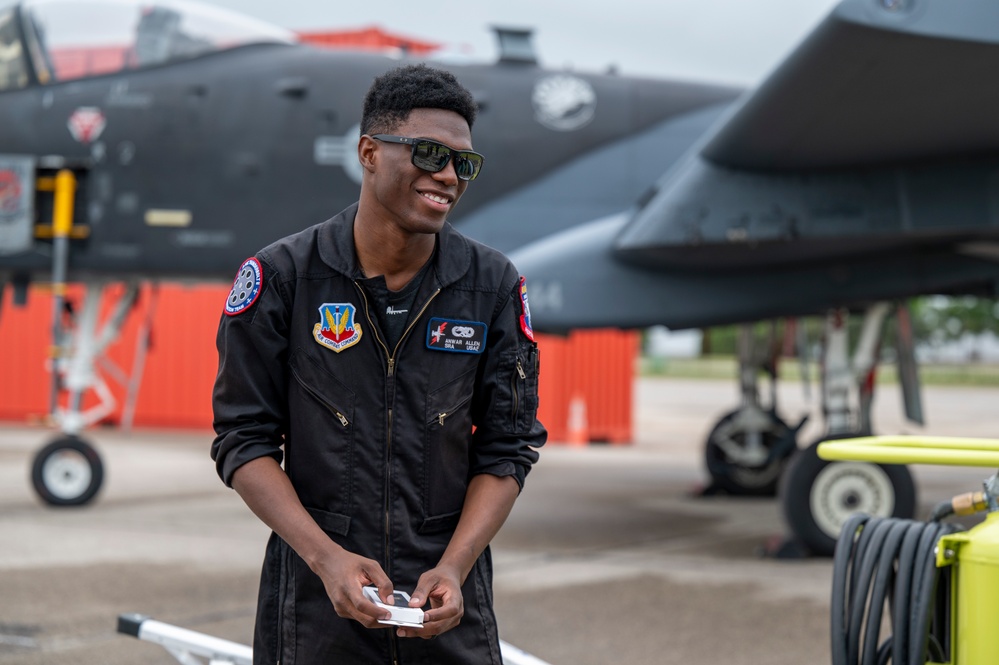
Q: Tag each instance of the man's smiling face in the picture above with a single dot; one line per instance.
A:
(417, 200)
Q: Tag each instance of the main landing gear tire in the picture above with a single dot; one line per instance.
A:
(735, 468)
(67, 472)
(818, 496)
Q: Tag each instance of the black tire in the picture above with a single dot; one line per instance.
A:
(817, 496)
(737, 476)
(67, 472)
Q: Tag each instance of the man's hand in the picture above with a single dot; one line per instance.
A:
(488, 501)
(265, 488)
(344, 574)
(440, 586)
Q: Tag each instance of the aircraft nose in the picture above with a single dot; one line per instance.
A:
(577, 279)
(573, 280)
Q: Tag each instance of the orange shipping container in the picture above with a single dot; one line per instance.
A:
(591, 370)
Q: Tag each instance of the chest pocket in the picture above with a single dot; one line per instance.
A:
(446, 445)
(321, 434)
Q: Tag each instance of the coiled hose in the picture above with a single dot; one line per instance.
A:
(880, 560)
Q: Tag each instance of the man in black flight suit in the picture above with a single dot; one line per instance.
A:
(361, 353)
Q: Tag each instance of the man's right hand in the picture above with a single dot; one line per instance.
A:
(265, 488)
(344, 575)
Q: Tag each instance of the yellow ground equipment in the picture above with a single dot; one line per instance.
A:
(939, 582)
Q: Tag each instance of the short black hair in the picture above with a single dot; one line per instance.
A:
(394, 94)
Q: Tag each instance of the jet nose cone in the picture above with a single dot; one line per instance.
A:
(572, 278)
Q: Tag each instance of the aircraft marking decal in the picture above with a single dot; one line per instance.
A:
(340, 151)
(17, 196)
(337, 329)
(456, 336)
(245, 288)
(11, 192)
(563, 102)
(86, 124)
(525, 311)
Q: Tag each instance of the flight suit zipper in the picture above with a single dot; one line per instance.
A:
(322, 400)
(441, 416)
(390, 375)
(515, 389)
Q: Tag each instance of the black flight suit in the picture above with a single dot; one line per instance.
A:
(377, 442)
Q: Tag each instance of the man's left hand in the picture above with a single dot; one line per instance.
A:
(442, 588)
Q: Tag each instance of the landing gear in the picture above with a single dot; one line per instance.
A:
(67, 472)
(819, 496)
(747, 450)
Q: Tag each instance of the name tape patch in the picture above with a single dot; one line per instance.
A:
(456, 336)
(245, 288)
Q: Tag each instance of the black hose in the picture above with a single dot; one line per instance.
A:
(841, 564)
(902, 601)
(942, 510)
(879, 561)
(919, 624)
(895, 530)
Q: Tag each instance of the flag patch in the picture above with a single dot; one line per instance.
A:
(525, 311)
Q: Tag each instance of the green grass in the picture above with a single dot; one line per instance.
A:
(726, 368)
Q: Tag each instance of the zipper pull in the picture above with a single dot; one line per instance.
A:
(342, 418)
(520, 370)
(391, 366)
(440, 418)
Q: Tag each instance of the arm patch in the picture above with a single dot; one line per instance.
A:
(525, 311)
(245, 288)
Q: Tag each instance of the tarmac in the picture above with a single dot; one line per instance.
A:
(610, 555)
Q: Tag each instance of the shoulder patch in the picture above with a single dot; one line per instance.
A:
(525, 311)
(456, 336)
(246, 287)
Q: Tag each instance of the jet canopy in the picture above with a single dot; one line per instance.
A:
(46, 41)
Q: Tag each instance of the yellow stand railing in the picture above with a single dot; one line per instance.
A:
(950, 451)
(974, 555)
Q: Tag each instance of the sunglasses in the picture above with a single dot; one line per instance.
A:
(433, 156)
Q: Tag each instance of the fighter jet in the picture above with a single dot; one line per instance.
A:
(861, 172)
(163, 140)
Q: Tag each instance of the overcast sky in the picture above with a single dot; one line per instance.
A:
(728, 41)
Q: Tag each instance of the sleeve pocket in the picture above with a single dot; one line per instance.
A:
(525, 383)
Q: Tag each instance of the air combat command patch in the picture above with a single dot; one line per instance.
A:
(456, 336)
(245, 288)
(337, 329)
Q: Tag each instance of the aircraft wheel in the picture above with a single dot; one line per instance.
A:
(818, 496)
(740, 468)
(67, 472)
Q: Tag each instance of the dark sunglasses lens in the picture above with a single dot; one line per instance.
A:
(433, 157)
(430, 156)
(467, 165)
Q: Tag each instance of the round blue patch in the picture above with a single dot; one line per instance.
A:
(245, 288)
